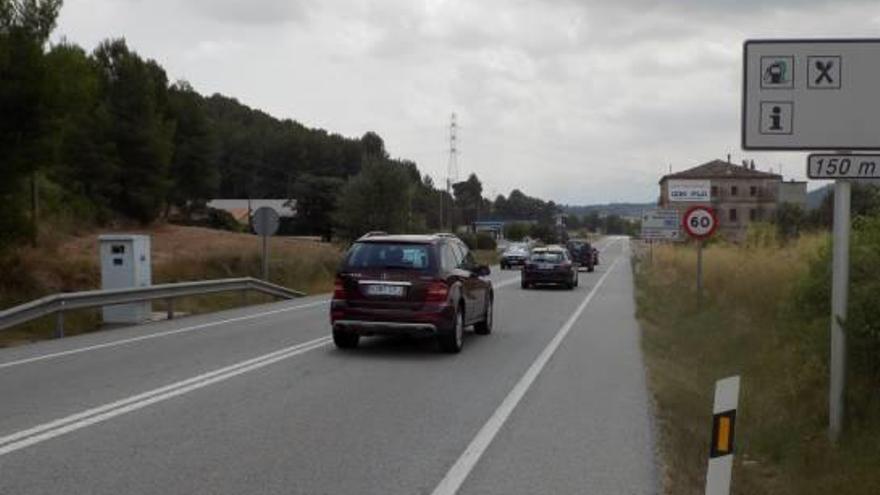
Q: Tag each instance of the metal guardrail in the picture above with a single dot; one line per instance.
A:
(58, 304)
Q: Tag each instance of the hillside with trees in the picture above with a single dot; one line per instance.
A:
(104, 137)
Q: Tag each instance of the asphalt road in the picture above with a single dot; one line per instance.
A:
(258, 400)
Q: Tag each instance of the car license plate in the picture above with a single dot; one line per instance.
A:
(545, 266)
(385, 290)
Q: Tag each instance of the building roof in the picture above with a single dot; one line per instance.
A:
(718, 169)
(241, 207)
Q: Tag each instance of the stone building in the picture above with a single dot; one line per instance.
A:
(740, 194)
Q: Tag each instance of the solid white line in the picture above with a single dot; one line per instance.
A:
(52, 429)
(459, 471)
(116, 343)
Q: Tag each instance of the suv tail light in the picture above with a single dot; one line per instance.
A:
(437, 292)
(339, 288)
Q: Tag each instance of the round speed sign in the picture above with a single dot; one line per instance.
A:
(700, 222)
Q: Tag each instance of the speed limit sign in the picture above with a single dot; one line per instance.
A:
(700, 222)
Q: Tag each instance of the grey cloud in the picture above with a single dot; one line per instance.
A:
(251, 12)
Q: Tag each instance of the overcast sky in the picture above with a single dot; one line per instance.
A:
(578, 101)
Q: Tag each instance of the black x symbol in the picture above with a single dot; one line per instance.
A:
(824, 68)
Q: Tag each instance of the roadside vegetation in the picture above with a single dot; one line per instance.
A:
(765, 316)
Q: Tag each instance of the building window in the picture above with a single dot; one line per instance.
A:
(732, 215)
(753, 215)
(714, 191)
(733, 190)
(753, 191)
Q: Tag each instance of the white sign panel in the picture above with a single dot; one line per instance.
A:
(698, 191)
(811, 94)
(837, 166)
(661, 225)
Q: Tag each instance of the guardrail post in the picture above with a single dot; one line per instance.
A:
(169, 305)
(59, 324)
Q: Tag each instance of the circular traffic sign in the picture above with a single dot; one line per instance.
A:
(265, 221)
(700, 222)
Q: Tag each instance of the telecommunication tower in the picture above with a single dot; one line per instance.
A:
(452, 166)
(451, 169)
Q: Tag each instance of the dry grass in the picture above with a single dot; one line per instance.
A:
(69, 262)
(747, 326)
(487, 257)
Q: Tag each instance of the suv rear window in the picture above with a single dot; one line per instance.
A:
(387, 255)
(547, 256)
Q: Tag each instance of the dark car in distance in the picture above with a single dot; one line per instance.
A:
(423, 285)
(550, 265)
(583, 253)
(514, 255)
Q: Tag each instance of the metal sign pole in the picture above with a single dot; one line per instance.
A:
(699, 273)
(839, 295)
(265, 257)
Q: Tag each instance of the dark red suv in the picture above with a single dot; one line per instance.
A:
(410, 284)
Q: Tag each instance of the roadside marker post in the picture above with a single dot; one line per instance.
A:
(720, 470)
(819, 94)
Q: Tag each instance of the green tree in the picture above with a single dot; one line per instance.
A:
(378, 198)
(25, 118)
(469, 198)
(315, 203)
(86, 165)
(136, 92)
(193, 169)
(516, 231)
(790, 220)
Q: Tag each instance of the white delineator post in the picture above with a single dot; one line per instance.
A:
(723, 429)
(839, 297)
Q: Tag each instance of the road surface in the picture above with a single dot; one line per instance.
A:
(257, 400)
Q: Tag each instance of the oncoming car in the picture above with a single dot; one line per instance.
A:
(514, 255)
(424, 285)
(550, 265)
(583, 253)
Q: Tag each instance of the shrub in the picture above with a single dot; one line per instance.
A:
(486, 241)
(813, 294)
(516, 231)
(470, 240)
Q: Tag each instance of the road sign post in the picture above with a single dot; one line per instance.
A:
(265, 223)
(700, 273)
(700, 223)
(819, 95)
(839, 296)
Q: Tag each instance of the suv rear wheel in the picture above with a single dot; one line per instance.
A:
(485, 327)
(451, 342)
(345, 340)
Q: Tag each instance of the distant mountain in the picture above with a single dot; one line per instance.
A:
(815, 197)
(627, 210)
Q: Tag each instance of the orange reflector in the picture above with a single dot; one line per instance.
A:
(723, 441)
(723, 425)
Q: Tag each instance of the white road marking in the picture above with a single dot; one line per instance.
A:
(62, 426)
(116, 343)
(459, 471)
